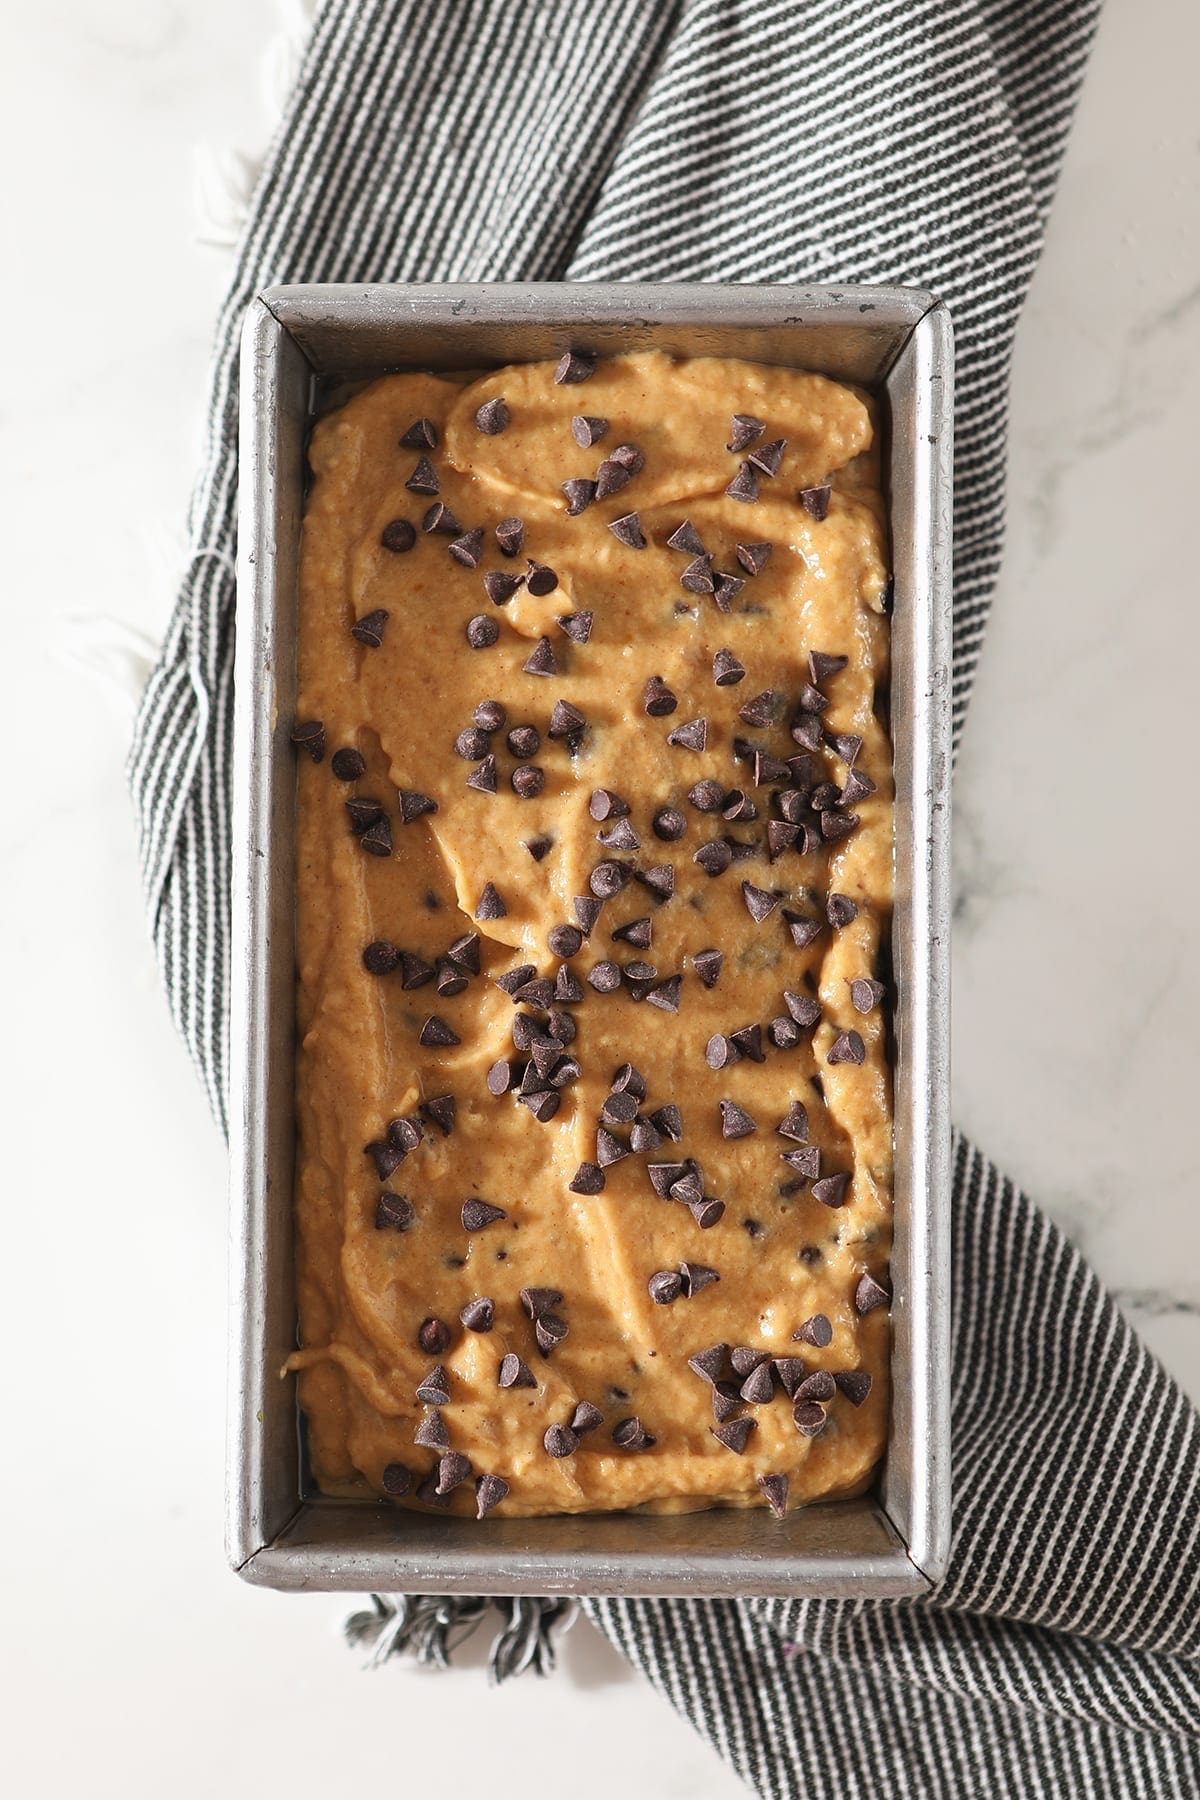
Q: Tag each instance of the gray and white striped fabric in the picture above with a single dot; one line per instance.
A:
(911, 141)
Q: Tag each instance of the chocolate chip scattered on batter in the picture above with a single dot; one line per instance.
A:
(587, 1179)
(744, 486)
(482, 632)
(580, 493)
(754, 557)
(631, 1434)
(840, 910)
(727, 670)
(490, 1490)
(398, 535)
(370, 628)
(735, 1434)
(735, 1120)
(869, 1294)
(628, 530)
(422, 434)
(542, 660)
(492, 417)
(394, 1212)
(587, 429)
(423, 479)
(575, 366)
(310, 737)
(815, 501)
(832, 1190)
(377, 838)
(477, 1215)
(577, 626)
(348, 765)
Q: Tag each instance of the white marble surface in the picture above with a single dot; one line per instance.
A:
(132, 1660)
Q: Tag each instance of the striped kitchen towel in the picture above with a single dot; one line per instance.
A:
(911, 141)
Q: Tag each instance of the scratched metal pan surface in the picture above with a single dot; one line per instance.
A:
(301, 340)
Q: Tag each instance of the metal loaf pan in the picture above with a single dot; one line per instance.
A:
(892, 1541)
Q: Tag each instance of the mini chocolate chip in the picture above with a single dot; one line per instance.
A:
(540, 579)
(836, 826)
(803, 931)
(580, 493)
(806, 730)
(611, 477)
(847, 746)
(840, 909)
(806, 1162)
(743, 1358)
(369, 629)
(609, 1148)
(527, 781)
(669, 1121)
(492, 417)
(697, 578)
(565, 719)
(500, 1078)
(560, 1440)
(847, 1047)
(414, 805)
(780, 837)
(720, 1051)
(708, 965)
(513, 980)
(791, 1372)
(767, 457)
(538, 847)
(414, 971)
(749, 1041)
(714, 857)
(490, 1490)
(869, 1294)
(664, 1286)
(794, 1124)
(310, 736)
(707, 796)
(587, 430)
(587, 910)
(423, 479)
(576, 626)
(549, 1331)
(620, 836)
(659, 878)
(396, 1480)
(744, 430)
(727, 670)
(588, 1179)
(422, 434)
(693, 735)
(657, 698)
(815, 500)
(437, 1035)
(809, 1418)
(479, 1315)
(575, 366)
(438, 518)
(482, 632)
(631, 1434)
(605, 977)
(477, 1215)
(435, 1387)
(858, 787)
(759, 904)
(696, 1277)
(604, 804)
(744, 485)
(347, 765)
(735, 1120)
(817, 1386)
(434, 1336)
(377, 838)
(629, 1080)
(638, 932)
(500, 586)
(565, 940)
(753, 557)
(394, 1212)
(472, 744)
(669, 824)
(542, 660)
(510, 535)
(468, 549)
(608, 878)
(665, 995)
(774, 1490)
(709, 1363)
(628, 530)
(734, 1434)
(380, 958)
(805, 1010)
(490, 906)
(856, 1384)
(758, 1388)
(398, 536)
(431, 1433)
(515, 1372)
(585, 1418)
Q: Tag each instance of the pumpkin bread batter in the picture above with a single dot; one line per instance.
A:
(594, 863)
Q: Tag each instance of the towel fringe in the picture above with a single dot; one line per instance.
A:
(431, 1627)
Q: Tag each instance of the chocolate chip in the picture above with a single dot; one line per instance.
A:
(539, 992)
(587, 910)
(791, 1372)
(465, 951)
(434, 1336)
(490, 1490)
(809, 1418)
(780, 837)
(310, 736)
(749, 1041)
(659, 879)
(847, 746)
(709, 1363)
(515, 1372)
(664, 1286)
(631, 1434)
(817, 1386)
(803, 931)
(840, 909)
(609, 1148)
(472, 744)
(669, 824)
(549, 1331)
(574, 366)
(577, 626)
(620, 836)
(759, 1387)
(468, 548)
(688, 1189)
(414, 970)
(377, 838)
(759, 904)
(605, 977)
(451, 979)
(720, 1051)
(588, 1179)
(743, 1358)
(753, 557)
(492, 417)
(587, 430)
(734, 1434)
(482, 632)
(437, 1035)
(768, 457)
(500, 586)
(726, 588)
(707, 796)
(657, 698)
(510, 535)
(618, 1109)
(607, 879)
(394, 1212)
(396, 1480)
(836, 826)
(559, 1441)
(438, 518)
(431, 1433)
(628, 530)
(774, 1490)
(539, 847)
(542, 661)
(435, 1387)
(414, 805)
(697, 578)
(815, 500)
(638, 932)
(858, 787)
(585, 1418)
(422, 434)
(477, 1215)
(707, 1212)
(540, 579)
(513, 980)
(708, 965)
(347, 765)
(479, 1315)
(696, 1277)
(629, 1080)
(398, 536)
(735, 1120)
(453, 1469)
(847, 1047)
(685, 537)
(527, 781)
(806, 730)
(856, 1384)
(665, 994)
(806, 1162)
(423, 479)
(727, 670)
(693, 735)
(580, 493)
(744, 485)
(831, 1189)
(744, 430)
(805, 1010)
(726, 1400)
(611, 477)
(380, 958)
(714, 858)
(490, 906)
(645, 1138)
(869, 1294)
(369, 629)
